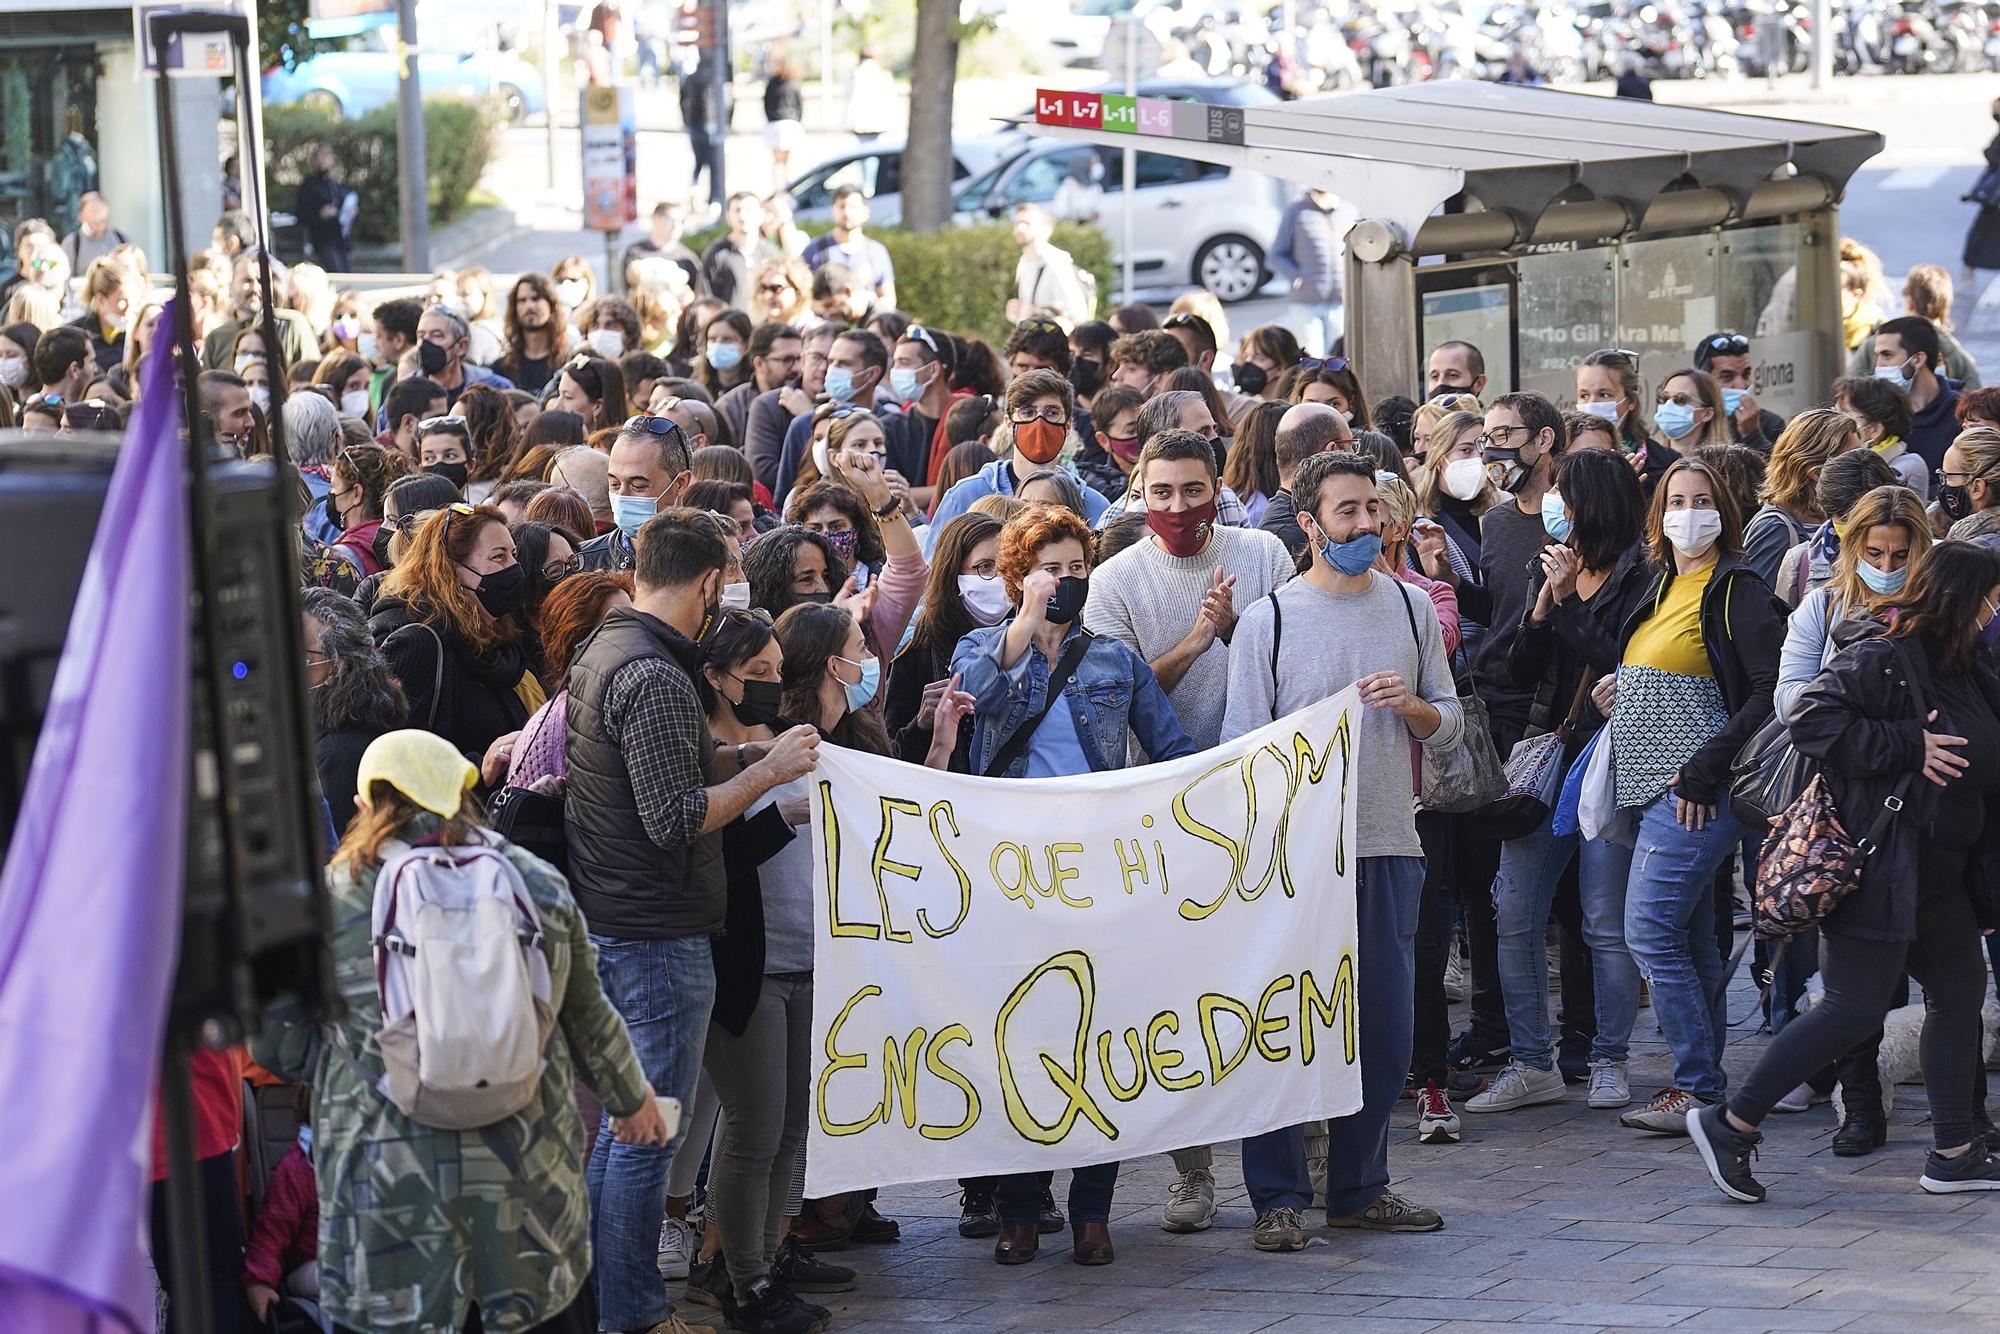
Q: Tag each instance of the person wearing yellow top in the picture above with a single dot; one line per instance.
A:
(1699, 663)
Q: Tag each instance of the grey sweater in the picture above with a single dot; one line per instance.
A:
(1147, 600)
(1328, 642)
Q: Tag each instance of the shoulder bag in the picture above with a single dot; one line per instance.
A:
(1811, 863)
(1535, 772)
(1013, 747)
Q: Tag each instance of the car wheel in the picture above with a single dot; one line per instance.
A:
(513, 104)
(323, 102)
(1232, 267)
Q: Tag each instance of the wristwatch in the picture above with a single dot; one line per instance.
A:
(889, 507)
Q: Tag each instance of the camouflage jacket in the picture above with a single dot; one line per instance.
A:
(416, 1224)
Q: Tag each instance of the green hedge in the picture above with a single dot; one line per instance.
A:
(961, 278)
(458, 146)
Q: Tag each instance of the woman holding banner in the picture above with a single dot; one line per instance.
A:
(1016, 673)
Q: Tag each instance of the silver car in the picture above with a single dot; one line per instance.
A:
(877, 168)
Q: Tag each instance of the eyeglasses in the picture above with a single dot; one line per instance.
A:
(1332, 365)
(38, 265)
(1727, 345)
(1054, 412)
(558, 570)
(918, 333)
(1683, 400)
(318, 659)
(453, 422)
(773, 289)
(1498, 437)
(654, 424)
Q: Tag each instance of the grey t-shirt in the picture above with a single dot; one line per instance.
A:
(787, 882)
(1328, 642)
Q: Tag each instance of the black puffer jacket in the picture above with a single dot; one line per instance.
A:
(465, 696)
(1742, 627)
(1579, 640)
(1860, 719)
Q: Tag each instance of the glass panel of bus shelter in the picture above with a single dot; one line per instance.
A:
(1759, 298)
(1471, 304)
(1567, 299)
(1668, 297)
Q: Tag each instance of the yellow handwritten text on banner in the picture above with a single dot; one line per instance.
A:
(1013, 975)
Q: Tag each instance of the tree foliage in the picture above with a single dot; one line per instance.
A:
(281, 33)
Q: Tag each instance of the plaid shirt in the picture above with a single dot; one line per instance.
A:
(654, 717)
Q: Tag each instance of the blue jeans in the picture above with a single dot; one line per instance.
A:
(1668, 880)
(1530, 869)
(665, 990)
(1387, 893)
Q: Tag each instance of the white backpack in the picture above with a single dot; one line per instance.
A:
(464, 985)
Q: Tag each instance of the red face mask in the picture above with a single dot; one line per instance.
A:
(1124, 447)
(1183, 532)
(1039, 441)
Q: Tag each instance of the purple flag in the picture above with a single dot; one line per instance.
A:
(90, 903)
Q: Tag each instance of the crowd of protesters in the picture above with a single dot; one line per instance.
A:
(638, 557)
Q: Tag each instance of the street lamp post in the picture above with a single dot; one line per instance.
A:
(415, 183)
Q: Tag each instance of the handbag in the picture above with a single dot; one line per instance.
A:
(1811, 863)
(1535, 774)
(1985, 191)
(1768, 775)
(1468, 776)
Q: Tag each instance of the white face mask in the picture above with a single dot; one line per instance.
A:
(821, 461)
(355, 402)
(365, 345)
(736, 597)
(1464, 479)
(608, 343)
(245, 360)
(985, 596)
(1607, 411)
(13, 371)
(261, 397)
(572, 292)
(1692, 531)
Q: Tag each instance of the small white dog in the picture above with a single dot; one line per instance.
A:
(1900, 1060)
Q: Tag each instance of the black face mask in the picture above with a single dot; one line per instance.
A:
(1086, 377)
(451, 472)
(1444, 389)
(1250, 377)
(759, 706)
(430, 357)
(820, 598)
(501, 591)
(381, 545)
(1067, 603)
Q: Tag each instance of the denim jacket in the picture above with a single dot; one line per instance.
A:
(1111, 691)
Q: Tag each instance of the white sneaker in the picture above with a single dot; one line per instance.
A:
(1437, 1123)
(1608, 1085)
(1456, 988)
(676, 1248)
(1190, 1202)
(1519, 1086)
(1799, 1099)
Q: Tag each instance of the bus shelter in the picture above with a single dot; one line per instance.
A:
(1540, 225)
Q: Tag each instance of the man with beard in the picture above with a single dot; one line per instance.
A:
(246, 288)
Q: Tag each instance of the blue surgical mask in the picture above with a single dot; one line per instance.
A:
(724, 356)
(1732, 399)
(903, 386)
(859, 693)
(1674, 419)
(1608, 411)
(306, 1139)
(840, 384)
(1895, 375)
(628, 512)
(1555, 517)
(1881, 583)
(1354, 555)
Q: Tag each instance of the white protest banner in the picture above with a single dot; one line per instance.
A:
(1013, 975)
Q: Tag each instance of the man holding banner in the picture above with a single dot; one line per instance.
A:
(1318, 635)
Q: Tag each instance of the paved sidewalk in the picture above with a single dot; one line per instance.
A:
(1555, 1217)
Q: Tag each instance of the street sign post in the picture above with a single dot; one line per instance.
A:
(610, 130)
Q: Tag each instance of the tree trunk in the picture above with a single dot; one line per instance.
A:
(927, 158)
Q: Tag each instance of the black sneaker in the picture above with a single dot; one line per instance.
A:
(1726, 1152)
(977, 1216)
(708, 1283)
(1470, 1054)
(770, 1309)
(1050, 1219)
(799, 1270)
(1975, 1169)
(1984, 1129)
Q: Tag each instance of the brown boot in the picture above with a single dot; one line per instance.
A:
(1091, 1243)
(1017, 1244)
(822, 1224)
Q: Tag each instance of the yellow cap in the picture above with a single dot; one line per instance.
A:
(423, 766)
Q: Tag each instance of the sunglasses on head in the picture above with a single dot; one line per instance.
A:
(919, 333)
(1625, 352)
(1727, 345)
(1039, 324)
(1187, 319)
(458, 509)
(1335, 365)
(654, 424)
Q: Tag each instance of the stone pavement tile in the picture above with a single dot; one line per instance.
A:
(1459, 1308)
(1040, 1315)
(1888, 1322)
(1618, 1231)
(1834, 1291)
(1420, 1250)
(1362, 1324)
(1574, 1286)
(1310, 1270)
(1476, 1327)
(1856, 1259)
(1737, 1320)
(1606, 1313)
(1205, 1322)
(1728, 1254)
(1467, 1223)
(1410, 1282)
(1604, 1271)
(1289, 1303)
(924, 1311)
(1721, 1213)
(1691, 1285)
(1828, 1231)
(1962, 1255)
(1561, 1256)
(1599, 1208)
